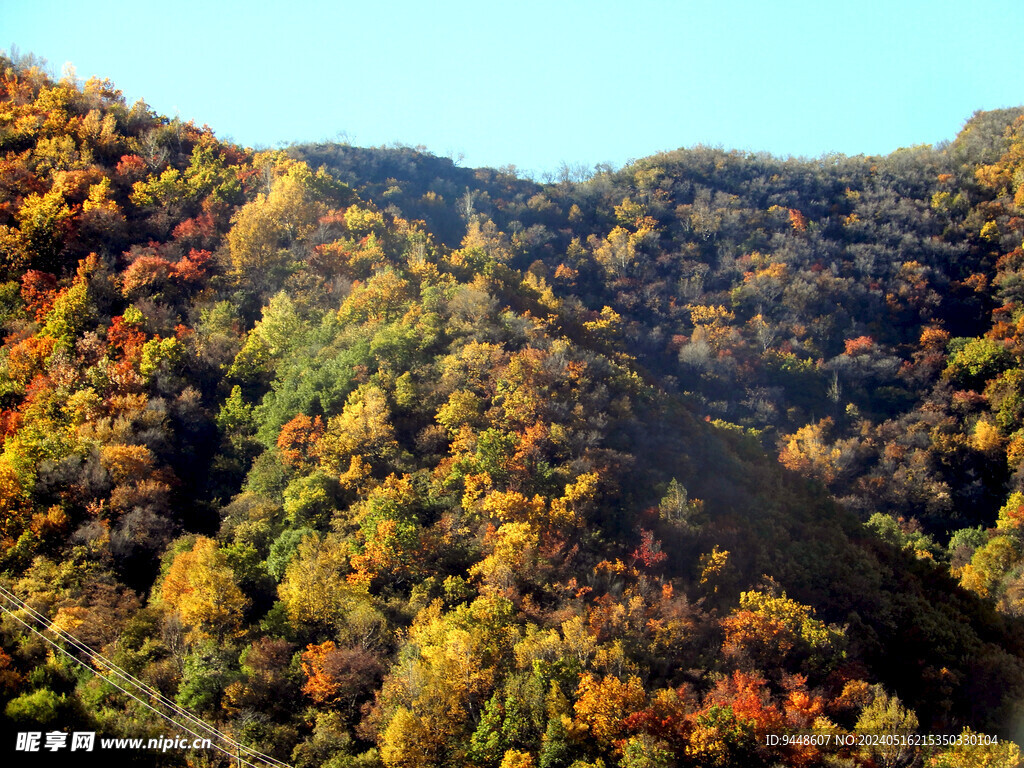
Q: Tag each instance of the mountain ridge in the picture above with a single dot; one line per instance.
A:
(510, 493)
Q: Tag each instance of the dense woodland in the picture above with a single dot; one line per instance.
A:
(372, 460)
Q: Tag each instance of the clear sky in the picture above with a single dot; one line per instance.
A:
(535, 84)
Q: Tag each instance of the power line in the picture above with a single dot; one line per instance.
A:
(96, 657)
(129, 679)
(111, 682)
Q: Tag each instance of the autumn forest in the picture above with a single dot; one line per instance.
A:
(368, 460)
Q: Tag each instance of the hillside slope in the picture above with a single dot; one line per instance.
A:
(360, 497)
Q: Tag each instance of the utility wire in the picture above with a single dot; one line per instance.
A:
(127, 693)
(97, 658)
(129, 678)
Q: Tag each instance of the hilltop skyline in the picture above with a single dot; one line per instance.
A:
(574, 84)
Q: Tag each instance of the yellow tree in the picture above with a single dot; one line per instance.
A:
(768, 629)
(990, 565)
(266, 231)
(200, 586)
(887, 717)
(363, 428)
(433, 696)
(514, 555)
(972, 753)
(712, 323)
(604, 704)
(14, 501)
(314, 590)
(807, 451)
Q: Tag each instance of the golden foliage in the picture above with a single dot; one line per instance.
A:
(603, 703)
(363, 428)
(806, 451)
(314, 590)
(201, 587)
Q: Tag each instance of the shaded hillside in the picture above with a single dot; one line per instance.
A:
(828, 304)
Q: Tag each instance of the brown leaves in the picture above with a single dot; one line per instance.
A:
(338, 675)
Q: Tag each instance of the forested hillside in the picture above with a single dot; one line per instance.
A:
(371, 460)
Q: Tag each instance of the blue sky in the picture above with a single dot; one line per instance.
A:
(535, 84)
